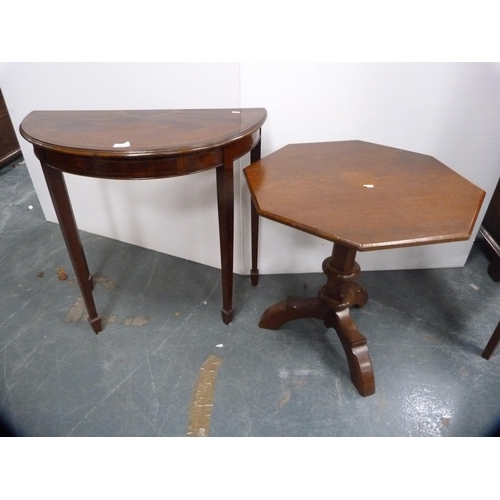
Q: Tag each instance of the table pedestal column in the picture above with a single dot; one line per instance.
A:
(332, 306)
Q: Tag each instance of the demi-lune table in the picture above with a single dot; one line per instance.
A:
(360, 196)
(143, 144)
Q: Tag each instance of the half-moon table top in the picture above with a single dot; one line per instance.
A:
(136, 144)
(139, 132)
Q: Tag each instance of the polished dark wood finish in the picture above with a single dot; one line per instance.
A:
(332, 306)
(254, 272)
(143, 144)
(490, 229)
(492, 343)
(415, 199)
(361, 197)
(9, 146)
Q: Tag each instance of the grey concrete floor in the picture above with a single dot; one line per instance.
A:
(141, 376)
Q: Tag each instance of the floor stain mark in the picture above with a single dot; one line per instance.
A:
(200, 411)
(109, 319)
(106, 282)
(78, 313)
(61, 274)
(446, 421)
(75, 314)
(135, 321)
(284, 400)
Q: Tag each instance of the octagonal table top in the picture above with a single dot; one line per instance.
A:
(364, 195)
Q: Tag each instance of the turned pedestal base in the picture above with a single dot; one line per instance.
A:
(332, 306)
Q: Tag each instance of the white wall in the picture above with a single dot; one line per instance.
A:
(176, 216)
(450, 111)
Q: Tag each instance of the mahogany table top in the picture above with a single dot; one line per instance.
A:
(138, 144)
(139, 132)
(363, 195)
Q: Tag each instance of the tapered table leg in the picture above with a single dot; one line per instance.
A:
(254, 221)
(64, 211)
(332, 305)
(225, 204)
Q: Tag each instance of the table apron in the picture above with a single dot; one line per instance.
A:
(144, 166)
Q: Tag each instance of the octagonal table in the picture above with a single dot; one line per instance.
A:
(360, 196)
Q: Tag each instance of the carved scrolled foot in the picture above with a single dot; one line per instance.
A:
(356, 351)
(290, 309)
(361, 370)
